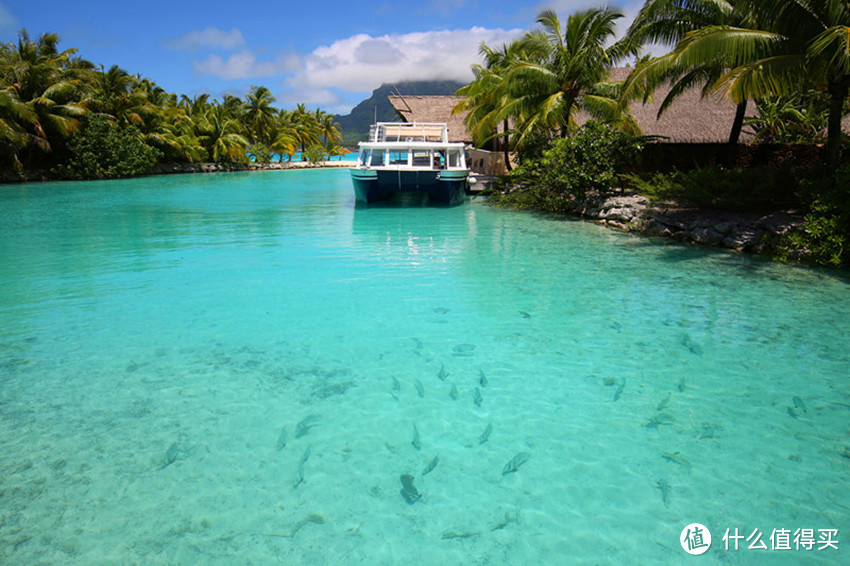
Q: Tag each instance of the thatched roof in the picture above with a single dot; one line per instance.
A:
(690, 119)
(433, 109)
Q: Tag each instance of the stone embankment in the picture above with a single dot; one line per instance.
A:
(738, 231)
(168, 168)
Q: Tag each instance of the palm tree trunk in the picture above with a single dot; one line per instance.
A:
(507, 149)
(738, 124)
(729, 155)
(838, 93)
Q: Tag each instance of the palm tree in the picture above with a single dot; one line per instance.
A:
(221, 136)
(484, 98)
(668, 22)
(551, 74)
(48, 83)
(305, 130)
(259, 114)
(329, 130)
(14, 119)
(789, 45)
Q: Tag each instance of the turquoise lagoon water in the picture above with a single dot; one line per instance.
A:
(157, 335)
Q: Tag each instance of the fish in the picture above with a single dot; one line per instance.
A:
(455, 534)
(408, 491)
(453, 393)
(485, 436)
(431, 465)
(524, 314)
(304, 426)
(417, 343)
(476, 397)
(617, 326)
(515, 462)
(681, 385)
(692, 346)
(396, 385)
(660, 419)
(299, 477)
(443, 374)
(663, 403)
(312, 518)
(482, 379)
(281, 440)
(619, 390)
(416, 443)
(419, 388)
(441, 310)
(798, 404)
(510, 517)
(463, 348)
(665, 491)
(791, 412)
(170, 455)
(677, 458)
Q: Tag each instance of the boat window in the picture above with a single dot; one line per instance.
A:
(421, 158)
(454, 158)
(398, 158)
(377, 158)
(439, 160)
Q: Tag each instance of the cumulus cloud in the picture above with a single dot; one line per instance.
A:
(361, 63)
(208, 38)
(245, 65)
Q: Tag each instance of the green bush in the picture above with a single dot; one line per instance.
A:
(260, 153)
(574, 169)
(736, 189)
(103, 150)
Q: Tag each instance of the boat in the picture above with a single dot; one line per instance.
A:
(404, 157)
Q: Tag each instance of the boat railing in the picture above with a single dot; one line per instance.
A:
(409, 132)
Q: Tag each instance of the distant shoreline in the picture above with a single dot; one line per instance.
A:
(14, 177)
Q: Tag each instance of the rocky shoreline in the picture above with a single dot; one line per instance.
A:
(181, 168)
(745, 232)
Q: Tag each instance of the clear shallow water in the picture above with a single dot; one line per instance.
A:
(157, 334)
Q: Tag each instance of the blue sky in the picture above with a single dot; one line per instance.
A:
(327, 54)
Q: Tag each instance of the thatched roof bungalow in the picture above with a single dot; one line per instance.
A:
(433, 109)
(690, 119)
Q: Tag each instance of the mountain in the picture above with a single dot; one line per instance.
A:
(355, 126)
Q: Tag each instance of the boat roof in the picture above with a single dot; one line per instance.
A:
(409, 132)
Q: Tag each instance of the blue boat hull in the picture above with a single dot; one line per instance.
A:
(444, 187)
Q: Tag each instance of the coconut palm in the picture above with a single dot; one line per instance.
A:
(259, 114)
(790, 45)
(305, 129)
(15, 117)
(667, 22)
(329, 130)
(48, 83)
(564, 69)
(222, 136)
(486, 96)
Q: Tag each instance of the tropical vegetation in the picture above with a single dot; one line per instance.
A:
(539, 83)
(787, 59)
(61, 113)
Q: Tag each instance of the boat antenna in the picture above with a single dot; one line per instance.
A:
(402, 98)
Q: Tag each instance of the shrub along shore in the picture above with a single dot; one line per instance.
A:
(181, 168)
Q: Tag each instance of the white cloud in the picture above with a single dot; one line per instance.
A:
(209, 38)
(7, 20)
(245, 65)
(361, 63)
